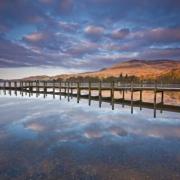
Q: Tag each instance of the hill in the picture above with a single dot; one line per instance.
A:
(142, 69)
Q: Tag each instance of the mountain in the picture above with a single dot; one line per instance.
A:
(143, 69)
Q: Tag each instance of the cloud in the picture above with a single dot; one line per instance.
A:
(66, 26)
(159, 35)
(94, 31)
(65, 6)
(82, 48)
(120, 33)
(157, 53)
(34, 37)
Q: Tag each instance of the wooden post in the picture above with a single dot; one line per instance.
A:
(155, 93)
(65, 89)
(140, 98)
(71, 90)
(162, 100)
(68, 92)
(60, 90)
(53, 89)
(89, 93)
(29, 88)
(132, 97)
(123, 98)
(15, 88)
(9, 87)
(44, 88)
(22, 88)
(32, 87)
(100, 94)
(112, 94)
(78, 92)
(36, 88)
(25, 87)
(4, 87)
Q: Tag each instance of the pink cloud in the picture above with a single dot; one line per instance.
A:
(120, 33)
(94, 30)
(35, 37)
(159, 35)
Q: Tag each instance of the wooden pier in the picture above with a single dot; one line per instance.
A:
(75, 89)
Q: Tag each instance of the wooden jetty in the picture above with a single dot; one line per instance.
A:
(74, 89)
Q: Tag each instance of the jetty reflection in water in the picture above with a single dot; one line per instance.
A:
(52, 139)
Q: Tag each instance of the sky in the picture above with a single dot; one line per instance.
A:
(64, 36)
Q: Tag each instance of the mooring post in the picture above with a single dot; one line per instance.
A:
(100, 93)
(132, 91)
(112, 94)
(78, 91)
(155, 98)
(89, 93)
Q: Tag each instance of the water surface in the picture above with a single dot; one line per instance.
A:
(52, 139)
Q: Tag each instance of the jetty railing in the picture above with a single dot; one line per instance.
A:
(71, 89)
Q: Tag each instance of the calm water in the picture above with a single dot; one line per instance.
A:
(52, 139)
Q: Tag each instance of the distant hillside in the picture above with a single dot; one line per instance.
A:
(143, 69)
(43, 78)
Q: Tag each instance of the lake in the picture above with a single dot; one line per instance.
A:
(52, 139)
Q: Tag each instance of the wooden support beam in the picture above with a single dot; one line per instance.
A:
(44, 89)
(65, 89)
(71, 90)
(132, 86)
(123, 97)
(60, 84)
(112, 95)
(25, 87)
(140, 98)
(78, 92)
(9, 87)
(36, 88)
(53, 89)
(162, 100)
(89, 88)
(68, 91)
(100, 94)
(15, 88)
(155, 98)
